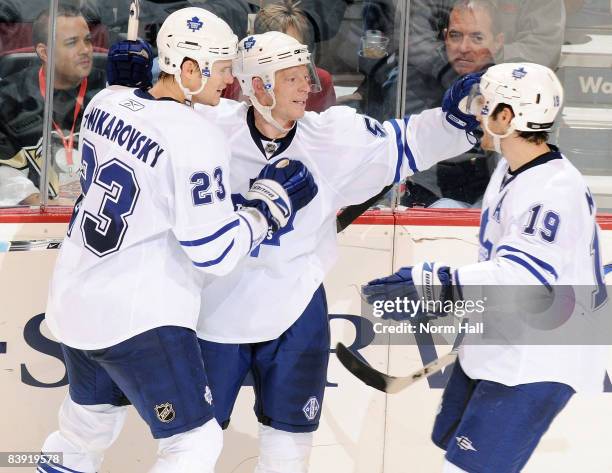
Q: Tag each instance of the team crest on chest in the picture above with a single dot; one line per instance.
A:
(272, 238)
(165, 412)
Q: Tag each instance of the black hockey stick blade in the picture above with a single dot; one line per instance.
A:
(349, 214)
(384, 382)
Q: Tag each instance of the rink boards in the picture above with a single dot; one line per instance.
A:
(362, 430)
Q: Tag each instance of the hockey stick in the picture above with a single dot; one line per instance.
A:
(132, 32)
(384, 382)
(393, 384)
(30, 245)
(349, 214)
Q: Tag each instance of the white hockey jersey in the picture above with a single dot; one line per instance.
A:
(538, 228)
(352, 157)
(156, 207)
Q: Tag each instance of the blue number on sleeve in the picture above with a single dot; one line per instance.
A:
(374, 127)
(218, 175)
(103, 233)
(199, 193)
(600, 295)
(535, 213)
(551, 225)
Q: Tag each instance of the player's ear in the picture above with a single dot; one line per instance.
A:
(507, 114)
(185, 66)
(189, 67)
(261, 93)
(41, 52)
(258, 85)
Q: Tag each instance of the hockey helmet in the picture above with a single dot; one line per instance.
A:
(262, 55)
(533, 91)
(196, 34)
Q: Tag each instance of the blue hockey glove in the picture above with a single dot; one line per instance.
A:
(456, 114)
(423, 287)
(281, 189)
(295, 178)
(130, 64)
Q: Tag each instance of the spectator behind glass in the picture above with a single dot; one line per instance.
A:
(289, 19)
(21, 115)
(17, 16)
(471, 42)
(533, 32)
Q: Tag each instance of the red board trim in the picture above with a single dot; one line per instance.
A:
(412, 217)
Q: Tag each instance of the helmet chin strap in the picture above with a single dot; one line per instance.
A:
(496, 137)
(266, 113)
(187, 92)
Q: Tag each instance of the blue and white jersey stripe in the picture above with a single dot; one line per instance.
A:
(213, 262)
(542, 264)
(219, 233)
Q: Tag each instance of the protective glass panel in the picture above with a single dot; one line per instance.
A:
(385, 58)
(447, 39)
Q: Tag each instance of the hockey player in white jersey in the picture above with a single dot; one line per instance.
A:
(537, 229)
(155, 217)
(283, 336)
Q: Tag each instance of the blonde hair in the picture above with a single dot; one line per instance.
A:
(281, 17)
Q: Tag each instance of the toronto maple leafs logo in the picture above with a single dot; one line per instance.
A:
(249, 43)
(272, 238)
(194, 24)
(519, 73)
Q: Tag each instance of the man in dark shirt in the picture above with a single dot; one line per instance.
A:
(22, 97)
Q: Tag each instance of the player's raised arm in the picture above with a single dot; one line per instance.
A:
(536, 207)
(436, 134)
(369, 155)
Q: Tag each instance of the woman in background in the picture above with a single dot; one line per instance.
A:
(287, 18)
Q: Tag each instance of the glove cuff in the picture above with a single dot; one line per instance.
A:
(275, 198)
(433, 281)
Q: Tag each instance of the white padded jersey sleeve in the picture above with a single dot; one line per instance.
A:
(214, 236)
(368, 156)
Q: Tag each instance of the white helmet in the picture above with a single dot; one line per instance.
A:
(261, 55)
(533, 91)
(196, 34)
